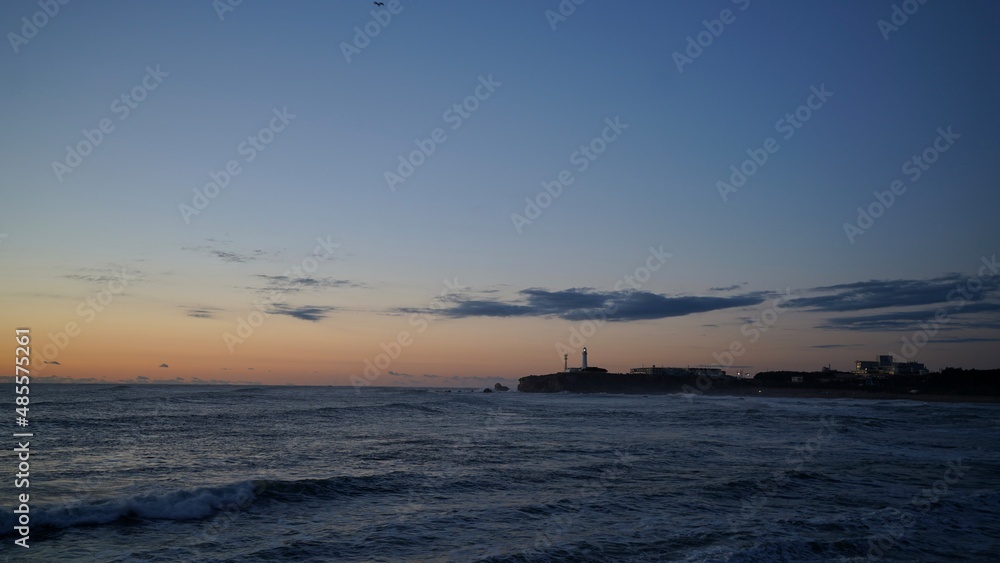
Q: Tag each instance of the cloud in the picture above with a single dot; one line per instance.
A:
(199, 381)
(224, 254)
(305, 312)
(93, 278)
(54, 379)
(908, 320)
(142, 379)
(202, 312)
(164, 366)
(921, 301)
(288, 283)
(643, 305)
(583, 303)
(110, 273)
(487, 379)
(963, 340)
(878, 294)
(728, 287)
(227, 256)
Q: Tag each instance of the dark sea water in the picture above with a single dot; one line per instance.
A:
(185, 473)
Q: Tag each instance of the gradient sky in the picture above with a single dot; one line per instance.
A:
(520, 293)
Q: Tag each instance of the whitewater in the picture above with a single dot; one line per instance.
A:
(230, 473)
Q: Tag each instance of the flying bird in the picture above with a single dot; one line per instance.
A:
(379, 3)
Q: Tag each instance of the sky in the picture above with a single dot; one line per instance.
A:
(457, 193)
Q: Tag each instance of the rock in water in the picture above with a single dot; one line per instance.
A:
(499, 387)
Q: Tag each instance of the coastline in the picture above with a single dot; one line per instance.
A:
(644, 384)
(806, 393)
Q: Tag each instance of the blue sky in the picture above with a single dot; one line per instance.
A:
(323, 175)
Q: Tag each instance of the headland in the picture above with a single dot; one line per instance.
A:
(948, 385)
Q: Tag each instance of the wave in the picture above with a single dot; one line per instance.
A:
(371, 408)
(177, 505)
(199, 503)
(409, 406)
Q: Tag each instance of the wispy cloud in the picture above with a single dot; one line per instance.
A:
(109, 273)
(728, 287)
(93, 278)
(911, 302)
(288, 283)
(213, 250)
(54, 379)
(306, 313)
(583, 303)
(907, 320)
(227, 256)
(878, 294)
(963, 340)
(202, 312)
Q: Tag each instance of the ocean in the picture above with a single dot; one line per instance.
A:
(231, 473)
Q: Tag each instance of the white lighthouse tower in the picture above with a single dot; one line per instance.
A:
(584, 366)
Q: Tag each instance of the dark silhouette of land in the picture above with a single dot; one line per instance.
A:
(950, 384)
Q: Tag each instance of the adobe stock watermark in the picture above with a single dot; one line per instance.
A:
(914, 167)
(223, 7)
(579, 334)
(249, 149)
(582, 157)
(88, 310)
(752, 330)
(564, 524)
(794, 462)
(454, 457)
(455, 116)
(31, 25)
(245, 327)
(787, 126)
(381, 18)
(889, 536)
(393, 349)
(956, 300)
(696, 44)
(566, 9)
(122, 106)
(898, 17)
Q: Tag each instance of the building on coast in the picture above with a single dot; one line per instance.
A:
(886, 366)
(669, 371)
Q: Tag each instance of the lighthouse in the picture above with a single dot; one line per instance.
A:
(584, 365)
